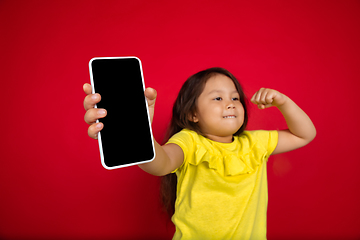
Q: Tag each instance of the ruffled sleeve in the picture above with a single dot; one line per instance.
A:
(264, 139)
(185, 140)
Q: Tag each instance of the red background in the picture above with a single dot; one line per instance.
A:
(52, 184)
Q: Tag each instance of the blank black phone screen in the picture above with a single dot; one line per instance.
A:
(126, 138)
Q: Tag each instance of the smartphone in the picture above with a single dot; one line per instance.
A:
(126, 138)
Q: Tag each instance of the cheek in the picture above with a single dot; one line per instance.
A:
(208, 115)
(241, 110)
(214, 110)
(208, 109)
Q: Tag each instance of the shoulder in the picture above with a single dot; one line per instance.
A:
(186, 139)
(259, 134)
(259, 138)
(184, 135)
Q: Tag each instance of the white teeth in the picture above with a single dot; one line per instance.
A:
(229, 117)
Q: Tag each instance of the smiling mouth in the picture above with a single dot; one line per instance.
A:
(232, 116)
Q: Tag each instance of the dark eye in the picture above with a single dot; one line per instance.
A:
(235, 99)
(218, 99)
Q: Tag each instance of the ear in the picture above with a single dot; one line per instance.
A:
(193, 118)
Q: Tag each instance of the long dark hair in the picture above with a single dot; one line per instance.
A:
(183, 110)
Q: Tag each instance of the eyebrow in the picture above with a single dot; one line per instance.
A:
(220, 91)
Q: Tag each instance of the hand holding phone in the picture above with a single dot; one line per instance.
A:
(150, 95)
(93, 114)
(127, 137)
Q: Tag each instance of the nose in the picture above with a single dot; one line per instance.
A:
(230, 105)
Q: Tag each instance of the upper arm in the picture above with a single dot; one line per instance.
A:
(288, 142)
(176, 156)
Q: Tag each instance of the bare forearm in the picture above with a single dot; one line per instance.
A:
(297, 120)
(167, 157)
(157, 166)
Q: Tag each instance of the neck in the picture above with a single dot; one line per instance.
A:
(226, 139)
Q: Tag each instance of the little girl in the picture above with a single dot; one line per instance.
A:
(221, 168)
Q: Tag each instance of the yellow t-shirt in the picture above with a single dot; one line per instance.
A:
(222, 187)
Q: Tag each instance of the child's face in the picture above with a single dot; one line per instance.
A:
(219, 112)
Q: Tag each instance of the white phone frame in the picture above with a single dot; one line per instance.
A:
(99, 134)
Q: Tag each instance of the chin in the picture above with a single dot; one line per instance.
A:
(232, 130)
(228, 132)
